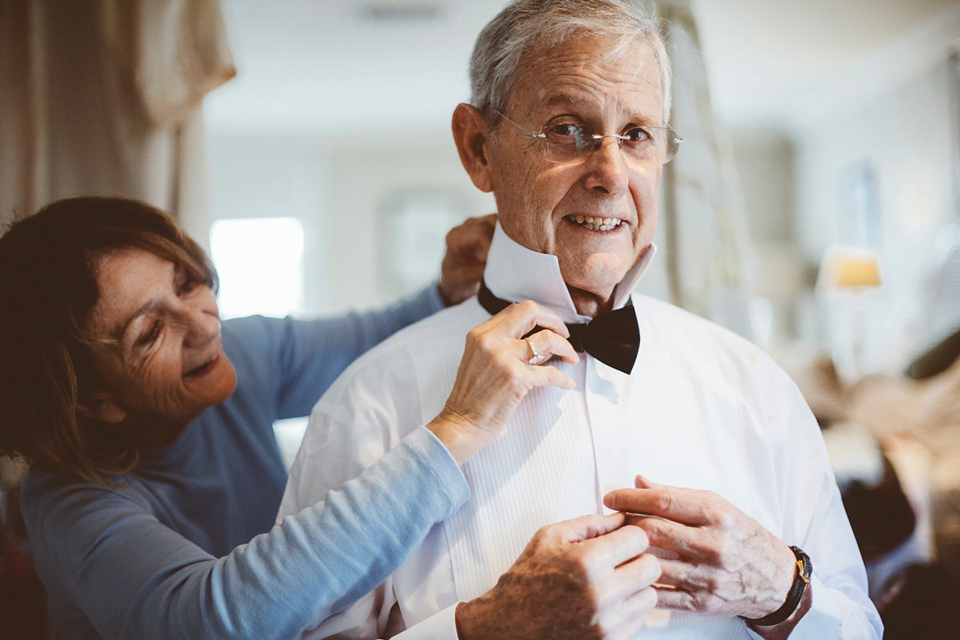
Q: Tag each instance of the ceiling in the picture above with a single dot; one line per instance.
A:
(330, 66)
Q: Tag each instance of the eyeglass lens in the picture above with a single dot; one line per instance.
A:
(639, 145)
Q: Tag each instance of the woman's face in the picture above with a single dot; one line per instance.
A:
(165, 362)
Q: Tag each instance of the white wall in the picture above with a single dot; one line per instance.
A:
(362, 180)
(764, 160)
(341, 189)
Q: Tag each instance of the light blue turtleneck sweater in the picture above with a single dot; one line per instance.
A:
(184, 545)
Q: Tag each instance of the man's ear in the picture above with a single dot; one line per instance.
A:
(103, 407)
(472, 137)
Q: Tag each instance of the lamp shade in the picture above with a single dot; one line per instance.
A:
(848, 268)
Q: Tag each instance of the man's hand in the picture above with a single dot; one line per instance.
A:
(716, 559)
(466, 257)
(582, 579)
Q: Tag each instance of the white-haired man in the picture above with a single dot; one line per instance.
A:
(568, 129)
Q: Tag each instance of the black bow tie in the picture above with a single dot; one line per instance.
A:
(613, 337)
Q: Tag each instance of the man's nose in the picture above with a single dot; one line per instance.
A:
(608, 170)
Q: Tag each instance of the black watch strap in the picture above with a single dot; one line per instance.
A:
(801, 579)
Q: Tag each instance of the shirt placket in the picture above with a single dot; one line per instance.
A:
(613, 432)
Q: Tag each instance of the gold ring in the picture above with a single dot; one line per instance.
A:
(535, 358)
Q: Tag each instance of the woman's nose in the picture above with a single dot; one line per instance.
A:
(200, 321)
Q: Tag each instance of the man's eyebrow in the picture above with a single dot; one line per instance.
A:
(572, 101)
(561, 99)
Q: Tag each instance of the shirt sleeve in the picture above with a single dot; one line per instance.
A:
(440, 626)
(135, 578)
(815, 520)
(312, 353)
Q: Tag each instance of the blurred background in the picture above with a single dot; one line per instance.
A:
(814, 207)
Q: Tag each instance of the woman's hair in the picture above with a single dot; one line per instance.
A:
(48, 287)
(525, 26)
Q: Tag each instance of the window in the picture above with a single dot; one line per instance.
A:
(260, 262)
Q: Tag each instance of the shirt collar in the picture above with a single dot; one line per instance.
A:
(516, 273)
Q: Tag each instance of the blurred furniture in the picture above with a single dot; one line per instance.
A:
(904, 425)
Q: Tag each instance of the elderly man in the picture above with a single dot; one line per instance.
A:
(568, 129)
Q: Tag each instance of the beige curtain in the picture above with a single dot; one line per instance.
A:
(102, 97)
(708, 250)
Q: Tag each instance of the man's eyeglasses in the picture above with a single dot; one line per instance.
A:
(567, 141)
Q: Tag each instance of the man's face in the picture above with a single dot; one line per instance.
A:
(546, 205)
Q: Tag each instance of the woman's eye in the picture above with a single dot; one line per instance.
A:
(150, 336)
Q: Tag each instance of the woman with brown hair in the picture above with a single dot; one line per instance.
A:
(155, 473)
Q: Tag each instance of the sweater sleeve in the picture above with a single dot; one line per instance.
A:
(135, 578)
(313, 353)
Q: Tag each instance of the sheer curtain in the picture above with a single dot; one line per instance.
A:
(102, 97)
(708, 250)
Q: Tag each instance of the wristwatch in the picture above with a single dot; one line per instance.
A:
(801, 579)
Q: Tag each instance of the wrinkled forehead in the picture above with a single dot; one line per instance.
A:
(127, 280)
(601, 76)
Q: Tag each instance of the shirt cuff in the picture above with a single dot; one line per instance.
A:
(438, 459)
(439, 626)
(822, 620)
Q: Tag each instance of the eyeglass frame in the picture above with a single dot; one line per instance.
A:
(595, 139)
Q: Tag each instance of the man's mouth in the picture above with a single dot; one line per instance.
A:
(595, 224)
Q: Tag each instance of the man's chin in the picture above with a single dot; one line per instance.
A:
(591, 298)
(600, 280)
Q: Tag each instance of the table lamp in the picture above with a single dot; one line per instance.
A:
(846, 272)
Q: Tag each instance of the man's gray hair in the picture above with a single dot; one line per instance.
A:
(529, 25)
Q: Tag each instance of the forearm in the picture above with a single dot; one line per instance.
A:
(315, 563)
(382, 323)
(135, 578)
(313, 353)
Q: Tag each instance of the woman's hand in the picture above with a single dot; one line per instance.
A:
(465, 259)
(495, 374)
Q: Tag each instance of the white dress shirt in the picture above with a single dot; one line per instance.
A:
(703, 409)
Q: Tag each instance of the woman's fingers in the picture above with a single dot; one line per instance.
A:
(549, 344)
(551, 377)
(495, 375)
(521, 318)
